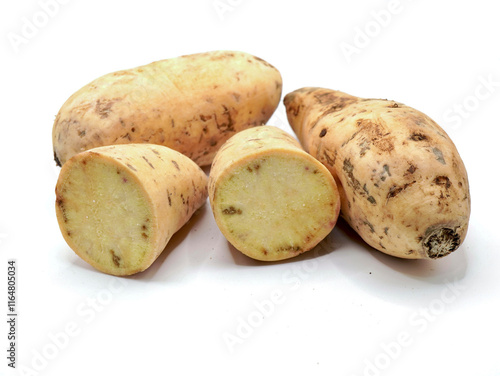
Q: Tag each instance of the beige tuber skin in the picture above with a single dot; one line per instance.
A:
(118, 206)
(191, 104)
(403, 186)
(270, 199)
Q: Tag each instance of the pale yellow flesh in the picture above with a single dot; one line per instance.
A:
(275, 206)
(105, 216)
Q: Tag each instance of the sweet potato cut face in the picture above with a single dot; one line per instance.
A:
(118, 213)
(275, 201)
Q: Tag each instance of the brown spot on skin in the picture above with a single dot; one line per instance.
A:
(56, 159)
(82, 133)
(131, 167)
(384, 144)
(443, 181)
(322, 133)
(329, 160)
(116, 258)
(231, 210)
(411, 169)
(147, 161)
(386, 229)
(144, 235)
(264, 62)
(169, 200)
(394, 105)
(176, 165)
(264, 252)
(68, 233)
(418, 137)
(395, 190)
(124, 180)
(103, 108)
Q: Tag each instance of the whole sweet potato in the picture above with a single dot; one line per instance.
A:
(403, 185)
(191, 104)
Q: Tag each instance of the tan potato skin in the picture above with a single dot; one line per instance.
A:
(247, 150)
(174, 187)
(403, 185)
(191, 104)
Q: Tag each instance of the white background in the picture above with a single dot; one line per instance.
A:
(341, 309)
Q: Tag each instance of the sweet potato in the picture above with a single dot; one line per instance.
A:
(117, 206)
(403, 185)
(270, 199)
(191, 104)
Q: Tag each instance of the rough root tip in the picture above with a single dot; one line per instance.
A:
(441, 242)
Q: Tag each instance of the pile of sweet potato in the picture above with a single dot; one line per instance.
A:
(131, 144)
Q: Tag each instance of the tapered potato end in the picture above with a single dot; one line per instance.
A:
(275, 205)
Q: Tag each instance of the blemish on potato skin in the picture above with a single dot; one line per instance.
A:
(175, 164)
(418, 137)
(442, 181)
(56, 159)
(411, 169)
(148, 162)
(366, 223)
(395, 190)
(103, 108)
(323, 132)
(439, 155)
(131, 167)
(351, 180)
